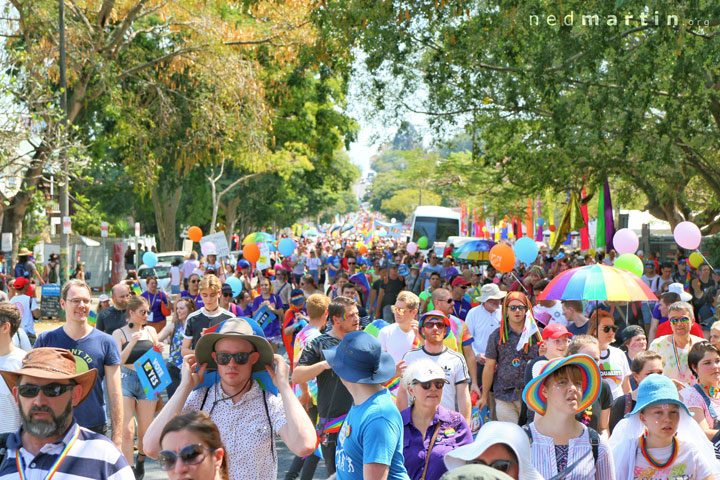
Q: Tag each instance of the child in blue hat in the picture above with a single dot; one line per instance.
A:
(659, 440)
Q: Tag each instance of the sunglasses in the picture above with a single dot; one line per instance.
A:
(143, 312)
(607, 328)
(500, 465)
(398, 310)
(517, 308)
(681, 319)
(190, 455)
(439, 384)
(462, 286)
(241, 358)
(229, 295)
(449, 300)
(194, 281)
(431, 325)
(30, 390)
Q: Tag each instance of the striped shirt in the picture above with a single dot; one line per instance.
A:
(545, 461)
(92, 456)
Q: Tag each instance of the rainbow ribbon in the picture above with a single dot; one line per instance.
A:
(334, 425)
(21, 464)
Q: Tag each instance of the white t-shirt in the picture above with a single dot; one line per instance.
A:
(688, 465)
(313, 263)
(174, 276)
(548, 315)
(26, 305)
(614, 368)
(396, 342)
(481, 324)
(9, 415)
(452, 363)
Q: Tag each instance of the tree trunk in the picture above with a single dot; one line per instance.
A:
(231, 216)
(166, 201)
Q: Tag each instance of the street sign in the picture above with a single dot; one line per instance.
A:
(220, 243)
(67, 230)
(6, 242)
(104, 229)
(137, 231)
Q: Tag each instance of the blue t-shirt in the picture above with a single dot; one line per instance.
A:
(461, 308)
(372, 433)
(335, 262)
(95, 350)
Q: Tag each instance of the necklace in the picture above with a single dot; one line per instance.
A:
(654, 462)
(713, 392)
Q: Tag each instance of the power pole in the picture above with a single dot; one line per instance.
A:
(64, 202)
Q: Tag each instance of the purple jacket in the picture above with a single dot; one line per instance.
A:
(454, 432)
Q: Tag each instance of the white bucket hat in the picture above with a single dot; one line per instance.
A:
(490, 292)
(680, 290)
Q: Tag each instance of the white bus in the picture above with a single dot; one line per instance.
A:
(435, 223)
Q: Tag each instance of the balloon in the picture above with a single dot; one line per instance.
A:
(526, 250)
(362, 248)
(541, 222)
(208, 248)
(695, 259)
(687, 235)
(150, 259)
(625, 241)
(552, 228)
(286, 247)
(423, 242)
(195, 234)
(502, 257)
(592, 252)
(251, 252)
(412, 248)
(629, 262)
(236, 285)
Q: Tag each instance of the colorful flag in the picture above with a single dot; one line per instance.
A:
(605, 223)
(584, 232)
(529, 329)
(92, 318)
(529, 219)
(360, 279)
(539, 235)
(136, 289)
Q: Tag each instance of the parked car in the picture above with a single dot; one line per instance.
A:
(170, 257)
(161, 271)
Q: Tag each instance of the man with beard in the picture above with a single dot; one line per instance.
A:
(115, 316)
(49, 442)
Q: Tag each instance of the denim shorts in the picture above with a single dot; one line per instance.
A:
(174, 289)
(131, 386)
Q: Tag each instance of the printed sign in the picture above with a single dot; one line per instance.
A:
(6, 242)
(264, 316)
(220, 242)
(67, 230)
(50, 301)
(264, 260)
(103, 229)
(153, 373)
(137, 231)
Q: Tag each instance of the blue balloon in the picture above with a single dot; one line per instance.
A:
(236, 285)
(150, 259)
(541, 222)
(526, 250)
(286, 247)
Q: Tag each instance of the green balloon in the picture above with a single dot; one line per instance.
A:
(630, 262)
(422, 242)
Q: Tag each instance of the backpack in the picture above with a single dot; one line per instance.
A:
(594, 439)
(20, 271)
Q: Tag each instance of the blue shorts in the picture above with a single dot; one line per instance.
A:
(131, 386)
(174, 289)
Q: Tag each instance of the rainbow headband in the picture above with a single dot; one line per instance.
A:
(592, 382)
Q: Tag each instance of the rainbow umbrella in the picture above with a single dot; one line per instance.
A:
(597, 282)
(258, 237)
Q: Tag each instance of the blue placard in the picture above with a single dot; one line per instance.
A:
(50, 290)
(153, 373)
(264, 316)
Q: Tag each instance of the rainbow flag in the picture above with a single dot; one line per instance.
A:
(92, 318)
(136, 289)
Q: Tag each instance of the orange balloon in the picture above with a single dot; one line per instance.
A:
(362, 248)
(502, 257)
(195, 234)
(552, 228)
(251, 253)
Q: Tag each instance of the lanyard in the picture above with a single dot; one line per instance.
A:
(20, 462)
(677, 356)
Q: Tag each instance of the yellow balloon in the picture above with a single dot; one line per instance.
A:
(591, 252)
(695, 260)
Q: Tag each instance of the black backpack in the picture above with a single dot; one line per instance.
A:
(594, 439)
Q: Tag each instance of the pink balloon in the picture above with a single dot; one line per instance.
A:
(625, 241)
(412, 248)
(208, 248)
(687, 235)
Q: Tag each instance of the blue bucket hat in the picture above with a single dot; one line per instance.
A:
(657, 389)
(359, 358)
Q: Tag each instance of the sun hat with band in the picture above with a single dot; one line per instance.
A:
(52, 364)
(234, 328)
(592, 382)
(359, 358)
(490, 291)
(434, 314)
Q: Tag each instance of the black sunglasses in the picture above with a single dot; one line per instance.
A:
(500, 465)
(607, 328)
(517, 308)
(190, 455)
(194, 281)
(439, 384)
(229, 295)
(431, 325)
(241, 358)
(30, 390)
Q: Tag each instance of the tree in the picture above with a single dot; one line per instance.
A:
(404, 202)
(629, 97)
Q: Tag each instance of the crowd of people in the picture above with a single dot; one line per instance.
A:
(379, 362)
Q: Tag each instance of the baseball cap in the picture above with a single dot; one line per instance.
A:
(555, 330)
(631, 331)
(226, 288)
(242, 263)
(415, 266)
(21, 283)
(649, 265)
(460, 281)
